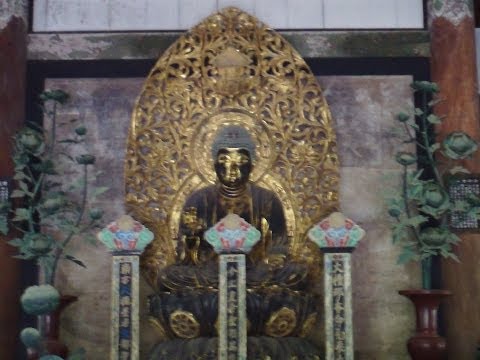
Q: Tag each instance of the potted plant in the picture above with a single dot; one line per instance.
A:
(422, 209)
(49, 210)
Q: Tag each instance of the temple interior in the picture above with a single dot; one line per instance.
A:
(240, 157)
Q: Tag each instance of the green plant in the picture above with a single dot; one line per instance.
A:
(51, 191)
(32, 339)
(423, 206)
(49, 209)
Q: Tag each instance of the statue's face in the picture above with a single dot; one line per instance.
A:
(233, 166)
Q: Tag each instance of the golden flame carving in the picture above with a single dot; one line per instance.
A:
(229, 69)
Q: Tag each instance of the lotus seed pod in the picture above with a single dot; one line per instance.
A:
(31, 338)
(40, 300)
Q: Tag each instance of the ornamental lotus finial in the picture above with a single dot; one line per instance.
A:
(125, 234)
(232, 234)
(336, 231)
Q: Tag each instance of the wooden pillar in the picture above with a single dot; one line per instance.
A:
(13, 31)
(453, 67)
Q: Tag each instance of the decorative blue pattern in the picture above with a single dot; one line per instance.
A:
(125, 315)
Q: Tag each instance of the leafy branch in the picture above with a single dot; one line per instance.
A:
(422, 209)
(48, 213)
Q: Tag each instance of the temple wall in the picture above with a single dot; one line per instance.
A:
(114, 15)
(362, 108)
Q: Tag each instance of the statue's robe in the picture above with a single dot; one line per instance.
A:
(254, 205)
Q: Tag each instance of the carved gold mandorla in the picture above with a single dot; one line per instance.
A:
(229, 69)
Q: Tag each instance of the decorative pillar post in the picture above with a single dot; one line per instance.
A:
(453, 68)
(337, 237)
(232, 308)
(126, 239)
(13, 65)
(232, 238)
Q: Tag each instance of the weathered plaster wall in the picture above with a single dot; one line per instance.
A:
(114, 15)
(10, 8)
(362, 107)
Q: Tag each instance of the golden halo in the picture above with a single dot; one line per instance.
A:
(206, 131)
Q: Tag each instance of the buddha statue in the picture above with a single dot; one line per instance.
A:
(187, 166)
(280, 303)
(233, 151)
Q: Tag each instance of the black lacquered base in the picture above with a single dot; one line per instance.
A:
(258, 348)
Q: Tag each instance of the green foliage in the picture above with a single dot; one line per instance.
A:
(58, 96)
(425, 87)
(51, 208)
(4, 210)
(85, 159)
(406, 158)
(81, 130)
(32, 339)
(458, 145)
(403, 117)
(422, 208)
(434, 200)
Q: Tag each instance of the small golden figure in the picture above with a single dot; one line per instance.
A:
(191, 239)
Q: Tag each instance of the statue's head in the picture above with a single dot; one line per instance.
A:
(233, 152)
